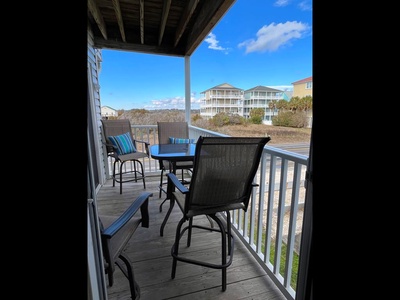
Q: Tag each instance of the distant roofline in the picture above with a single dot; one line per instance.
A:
(263, 87)
(109, 107)
(221, 87)
(308, 79)
(228, 86)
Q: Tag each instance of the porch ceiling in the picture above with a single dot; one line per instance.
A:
(165, 27)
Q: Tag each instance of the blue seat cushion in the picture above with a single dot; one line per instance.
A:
(174, 140)
(123, 143)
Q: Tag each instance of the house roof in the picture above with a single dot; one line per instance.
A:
(262, 88)
(105, 106)
(222, 86)
(287, 95)
(308, 79)
(162, 27)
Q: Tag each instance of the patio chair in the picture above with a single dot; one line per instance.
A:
(222, 180)
(173, 132)
(116, 232)
(123, 148)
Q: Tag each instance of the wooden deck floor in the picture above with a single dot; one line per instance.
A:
(150, 254)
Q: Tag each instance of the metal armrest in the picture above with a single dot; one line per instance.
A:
(177, 183)
(109, 146)
(141, 203)
(146, 145)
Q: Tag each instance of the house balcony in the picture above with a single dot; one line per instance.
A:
(267, 237)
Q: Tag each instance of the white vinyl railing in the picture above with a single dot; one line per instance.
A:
(271, 229)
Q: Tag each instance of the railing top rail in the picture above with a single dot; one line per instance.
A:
(292, 156)
(210, 132)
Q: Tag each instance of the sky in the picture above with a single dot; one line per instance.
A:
(257, 42)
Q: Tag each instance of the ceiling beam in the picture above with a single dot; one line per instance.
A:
(118, 15)
(152, 49)
(202, 28)
(164, 17)
(98, 17)
(187, 14)
(142, 21)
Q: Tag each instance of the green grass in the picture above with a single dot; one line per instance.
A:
(295, 265)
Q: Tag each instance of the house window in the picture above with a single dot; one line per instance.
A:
(309, 85)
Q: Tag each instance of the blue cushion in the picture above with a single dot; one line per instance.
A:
(173, 140)
(123, 143)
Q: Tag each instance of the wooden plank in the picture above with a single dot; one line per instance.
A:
(152, 261)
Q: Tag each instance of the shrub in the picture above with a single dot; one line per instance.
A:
(256, 115)
(256, 120)
(235, 119)
(296, 119)
(202, 123)
(196, 117)
(282, 118)
(220, 119)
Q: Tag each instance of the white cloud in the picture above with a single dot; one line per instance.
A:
(173, 103)
(305, 5)
(281, 3)
(302, 5)
(213, 42)
(272, 37)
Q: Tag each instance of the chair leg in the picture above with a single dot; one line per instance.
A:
(175, 247)
(223, 248)
(226, 246)
(135, 171)
(229, 232)
(189, 238)
(144, 177)
(113, 176)
(120, 178)
(160, 186)
(128, 272)
(142, 172)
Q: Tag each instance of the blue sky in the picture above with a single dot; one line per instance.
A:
(257, 42)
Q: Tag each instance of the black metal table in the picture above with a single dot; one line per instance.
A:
(173, 153)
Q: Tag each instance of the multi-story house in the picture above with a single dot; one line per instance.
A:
(221, 98)
(261, 97)
(107, 111)
(303, 87)
(232, 100)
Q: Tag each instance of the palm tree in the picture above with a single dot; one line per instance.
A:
(272, 106)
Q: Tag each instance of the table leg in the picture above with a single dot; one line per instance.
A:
(171, 206)
(170, 189)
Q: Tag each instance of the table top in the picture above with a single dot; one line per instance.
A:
(178, 152)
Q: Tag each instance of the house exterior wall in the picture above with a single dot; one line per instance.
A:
(229, 99)
(107, 111)
(96, 175)
(261, 97)
(222, 98)
(94, 67)
(303, 88)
